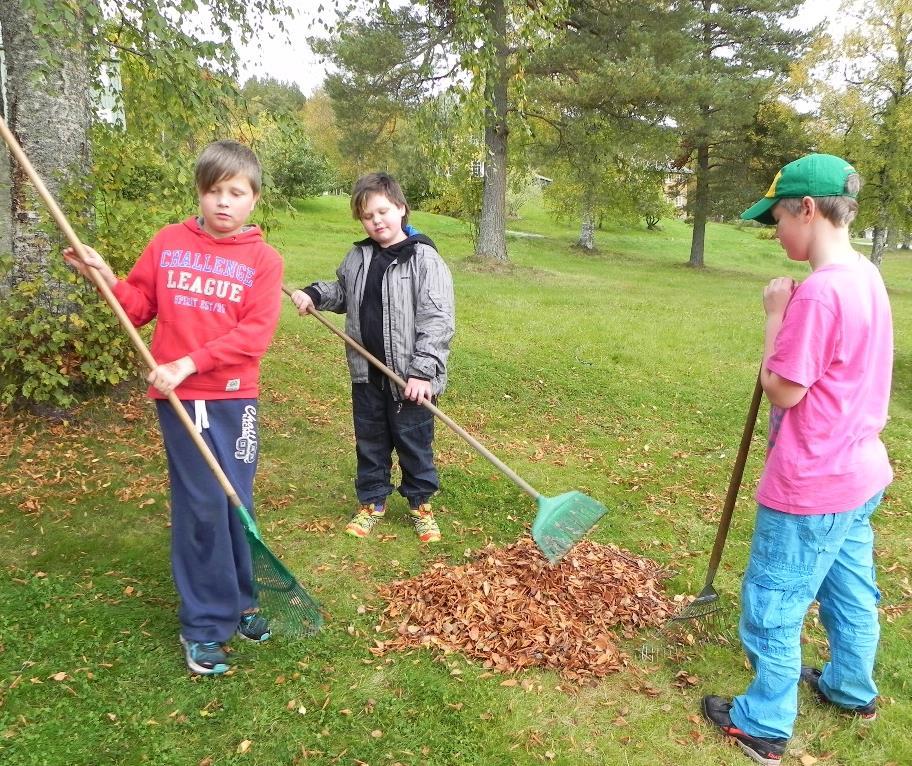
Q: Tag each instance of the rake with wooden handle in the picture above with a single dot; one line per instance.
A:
(707, 600)
(561, 521)
(290, 608)
(700, 618)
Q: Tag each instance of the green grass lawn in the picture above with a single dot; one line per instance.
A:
(621, 373)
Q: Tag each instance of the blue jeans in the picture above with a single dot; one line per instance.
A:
(381, 425)
(794, 560)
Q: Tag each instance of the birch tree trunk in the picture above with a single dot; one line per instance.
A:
(49, 111)
(6, 222)
(878, 245)
(587, 231)
(492, 242)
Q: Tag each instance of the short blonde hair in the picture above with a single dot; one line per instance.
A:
(378, 183)
(226, 159)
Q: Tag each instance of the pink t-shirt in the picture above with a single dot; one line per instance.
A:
(825, 454)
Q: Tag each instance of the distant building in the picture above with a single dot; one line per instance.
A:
(675, 183)
(108, 94)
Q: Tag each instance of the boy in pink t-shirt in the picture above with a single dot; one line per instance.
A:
(826, 370)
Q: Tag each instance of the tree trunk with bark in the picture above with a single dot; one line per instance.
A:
(492, 241)
(6, 223)
(587, 231)
(700, 208)
(49, 111)
(878, 245)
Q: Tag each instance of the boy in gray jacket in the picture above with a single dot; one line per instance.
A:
(397, 295)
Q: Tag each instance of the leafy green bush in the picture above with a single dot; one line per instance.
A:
(456, 197)
(292, 166)
(49, 355)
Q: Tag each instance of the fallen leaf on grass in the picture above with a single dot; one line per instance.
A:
(244, 747)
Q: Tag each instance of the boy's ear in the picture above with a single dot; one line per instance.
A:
(808, 207)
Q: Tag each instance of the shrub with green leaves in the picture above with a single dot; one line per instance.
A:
(52, 351)
(292, 166)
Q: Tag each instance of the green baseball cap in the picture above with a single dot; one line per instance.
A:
(814, 175)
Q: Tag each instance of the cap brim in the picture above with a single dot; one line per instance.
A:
(761, 212)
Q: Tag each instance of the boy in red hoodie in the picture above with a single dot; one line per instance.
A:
(214, 286)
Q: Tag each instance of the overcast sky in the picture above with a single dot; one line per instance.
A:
(290, 59)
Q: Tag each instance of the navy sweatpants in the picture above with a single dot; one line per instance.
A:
(210, 557)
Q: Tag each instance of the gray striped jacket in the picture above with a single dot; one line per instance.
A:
(418, 312)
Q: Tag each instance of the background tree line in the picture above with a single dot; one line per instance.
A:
(466, 102)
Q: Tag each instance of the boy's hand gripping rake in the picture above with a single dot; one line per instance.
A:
(561, 521)
(707, 600)
(290, 608)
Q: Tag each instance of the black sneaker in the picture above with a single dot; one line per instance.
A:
(766, 751)
(254, 627)
(811, 676)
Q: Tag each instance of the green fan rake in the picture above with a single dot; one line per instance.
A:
(561, 521)
(701, 617)
(288, 606)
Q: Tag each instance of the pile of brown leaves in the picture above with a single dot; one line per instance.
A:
(511, 609)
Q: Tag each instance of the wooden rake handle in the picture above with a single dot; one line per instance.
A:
(138, 343)
(450, 423)
(734, 483)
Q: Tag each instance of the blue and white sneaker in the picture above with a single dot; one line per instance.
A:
(254, 627)
(205, 658)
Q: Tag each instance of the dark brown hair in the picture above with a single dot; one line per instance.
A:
(225, 159)
(839, 210)
(378, 183)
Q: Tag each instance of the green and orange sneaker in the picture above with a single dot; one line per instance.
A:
(425, 525)
(367, 517)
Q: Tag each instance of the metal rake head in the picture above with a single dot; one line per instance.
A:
(701, 622)
(705, 604)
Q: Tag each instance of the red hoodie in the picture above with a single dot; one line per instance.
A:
(216, 300)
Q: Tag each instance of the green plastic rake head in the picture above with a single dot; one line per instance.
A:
(563, 521)
(290, 609)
